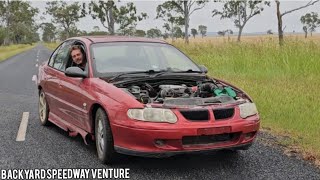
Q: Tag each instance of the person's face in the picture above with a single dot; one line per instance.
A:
(77, 56)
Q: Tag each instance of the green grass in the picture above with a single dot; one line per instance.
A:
(51, 46)
(9, 51)
(284, 82)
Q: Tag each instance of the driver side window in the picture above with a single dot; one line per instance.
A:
(53, 56)
(61, 57)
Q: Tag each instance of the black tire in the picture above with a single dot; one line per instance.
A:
(43, 109)
(104, 138)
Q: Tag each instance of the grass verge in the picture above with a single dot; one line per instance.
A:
(9, 51)
(283, 81)
(51, 46)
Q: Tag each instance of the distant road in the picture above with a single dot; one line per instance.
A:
(50, 147)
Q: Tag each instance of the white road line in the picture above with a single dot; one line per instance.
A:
(23, 127)
(37, 65)
(37, 60)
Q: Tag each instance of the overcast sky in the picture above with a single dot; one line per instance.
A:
(260, 23)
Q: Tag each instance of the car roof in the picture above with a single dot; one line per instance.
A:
(101, 39)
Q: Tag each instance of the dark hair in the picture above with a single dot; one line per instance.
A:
(75, 47)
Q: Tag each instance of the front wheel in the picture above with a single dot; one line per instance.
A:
(43, 109)
(104, 138)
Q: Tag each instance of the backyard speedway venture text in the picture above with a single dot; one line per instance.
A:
(122, 173)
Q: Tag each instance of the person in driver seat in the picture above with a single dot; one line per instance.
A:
(78, 57)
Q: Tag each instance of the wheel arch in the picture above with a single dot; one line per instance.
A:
(92, 115)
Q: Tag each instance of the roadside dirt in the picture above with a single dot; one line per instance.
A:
(287, 146)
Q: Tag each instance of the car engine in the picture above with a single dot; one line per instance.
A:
(181, 93)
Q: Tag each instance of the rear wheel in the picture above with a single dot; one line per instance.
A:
(43, 109)
(103, 137)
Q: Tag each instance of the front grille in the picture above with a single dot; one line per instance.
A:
(209, 139)
(220, 114)
(196, 115)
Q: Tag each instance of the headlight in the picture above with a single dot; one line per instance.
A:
(153, 115)
(248, 109)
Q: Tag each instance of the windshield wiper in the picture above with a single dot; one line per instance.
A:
(188, 71)
(149, 72)
(173, 72)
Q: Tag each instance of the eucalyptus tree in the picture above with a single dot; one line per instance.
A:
(311, 21)
(280, 16)
(240, 12)
(182, 9)
(18, 22)
(110, 14)
(203, 30)
(194, 32)
(65, 14)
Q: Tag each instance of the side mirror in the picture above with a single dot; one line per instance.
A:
(75, 72)
(203, 69)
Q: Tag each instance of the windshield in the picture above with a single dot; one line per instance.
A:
(122, 57)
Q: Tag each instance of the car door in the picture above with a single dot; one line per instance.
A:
(75, 92)
(55, 70)
(76, 99)
(52, 82)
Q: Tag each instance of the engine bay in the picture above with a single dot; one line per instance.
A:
(178, 92)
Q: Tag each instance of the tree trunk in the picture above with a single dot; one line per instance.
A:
(172, 37)
(186, 21)
(240, 33)
(305, 34)
(111, 25)
(7, 36)
(280, 30)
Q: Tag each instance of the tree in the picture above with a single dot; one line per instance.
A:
(171, 21)
(2, 34)
(49, 32)
(194, 32)
(311, 21)
(305, 30)
(140, 33)
(153, 33)
(104, 11)
(280, 15)
(165, 35)
(127, 18)
(18, 19)
(177, 32)
(229, 31)
(203, 30)
(183, 9)
(269, 31)
(65, 15)
(240, 11)
(221, 33)
(109, 15)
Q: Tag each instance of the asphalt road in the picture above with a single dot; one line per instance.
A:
(50, 147)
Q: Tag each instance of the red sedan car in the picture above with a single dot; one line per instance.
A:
(143, 97)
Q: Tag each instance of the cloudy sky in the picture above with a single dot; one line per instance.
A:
(260, 23)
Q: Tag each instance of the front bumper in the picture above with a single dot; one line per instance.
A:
(199, 137)
(173, 153)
